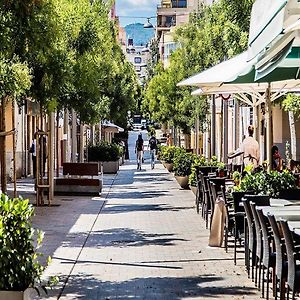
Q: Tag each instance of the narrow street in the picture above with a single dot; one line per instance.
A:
(144, 242)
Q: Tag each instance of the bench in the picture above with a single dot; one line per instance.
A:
(79, 179)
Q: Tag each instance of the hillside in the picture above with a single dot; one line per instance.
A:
(140, 35)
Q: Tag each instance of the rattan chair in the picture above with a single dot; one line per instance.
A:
(281, 263)
(269, 256)
(250, 239)
(292, 251)
(259, 245)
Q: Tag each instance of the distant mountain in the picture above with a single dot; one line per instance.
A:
(139, 34)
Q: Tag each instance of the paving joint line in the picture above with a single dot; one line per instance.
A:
(88, 235)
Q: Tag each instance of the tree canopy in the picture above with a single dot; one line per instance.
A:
(72, 52)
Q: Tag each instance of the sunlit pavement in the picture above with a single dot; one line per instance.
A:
(142, 239)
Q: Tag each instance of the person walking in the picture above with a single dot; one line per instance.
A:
(139, 150)
(153, 146)
(32, 150)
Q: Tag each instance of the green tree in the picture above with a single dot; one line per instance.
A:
(214, 33)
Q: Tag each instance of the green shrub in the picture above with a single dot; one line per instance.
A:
(182, 162)
(167, 153)
(19, 268)
(104, 151)
(267, 183)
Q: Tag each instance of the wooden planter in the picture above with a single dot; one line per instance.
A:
(14, 295)
(169, 166)
(183, 181)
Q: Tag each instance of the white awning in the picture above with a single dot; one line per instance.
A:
(225, 71)
(112, 127)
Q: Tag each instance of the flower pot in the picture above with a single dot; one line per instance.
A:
(194, 189)
(28, 294)
(183, 181)
(110, 167)
(169, 166)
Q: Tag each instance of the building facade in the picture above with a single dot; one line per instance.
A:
(170, 14)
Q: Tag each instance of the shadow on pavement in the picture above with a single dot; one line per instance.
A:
(164, 288)
(122, 208)
(137, 194)
(126, 237)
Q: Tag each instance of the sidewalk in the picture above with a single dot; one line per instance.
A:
(142, 239)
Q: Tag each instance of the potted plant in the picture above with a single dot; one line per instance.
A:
(20, 272)
(168, 155)
(182, 167)
(221, 169)
(107, 154)
(197, 162)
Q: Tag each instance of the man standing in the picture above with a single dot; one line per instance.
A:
(139, 150)
(153, 146)
(250, 148)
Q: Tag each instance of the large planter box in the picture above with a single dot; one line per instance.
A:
(29, 294)
(183, 181)
(110, 167)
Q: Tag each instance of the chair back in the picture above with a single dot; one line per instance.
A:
(266, 237)
(237, 199)
(258, 231)
(278, 241)
(290, 252)
(251, 230)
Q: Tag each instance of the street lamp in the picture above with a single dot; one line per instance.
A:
(148, 24)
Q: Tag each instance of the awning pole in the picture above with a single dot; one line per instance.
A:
(213, 126)
(269, 126)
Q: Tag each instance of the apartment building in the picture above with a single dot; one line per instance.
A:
(170, 14)
(139, 57)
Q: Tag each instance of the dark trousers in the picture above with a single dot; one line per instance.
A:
(34, 166)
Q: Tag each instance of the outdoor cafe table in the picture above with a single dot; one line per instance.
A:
(289, 213)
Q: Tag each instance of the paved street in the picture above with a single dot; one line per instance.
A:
(141, 240)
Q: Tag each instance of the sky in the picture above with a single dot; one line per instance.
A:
(136, 11)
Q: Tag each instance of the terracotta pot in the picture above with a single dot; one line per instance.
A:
(183, 181)
(169, 166)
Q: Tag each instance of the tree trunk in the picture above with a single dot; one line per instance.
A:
(293, 135)
(81, 144)
(3, 146)
(14, 149)
(57, 144)
(74, 136)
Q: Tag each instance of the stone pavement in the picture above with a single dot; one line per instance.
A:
(142, 239)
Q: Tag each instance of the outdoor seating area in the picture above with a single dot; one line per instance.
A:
(256, 212)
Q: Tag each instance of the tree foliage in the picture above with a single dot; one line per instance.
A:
(292, 103)
(73, 54)
(214, 33)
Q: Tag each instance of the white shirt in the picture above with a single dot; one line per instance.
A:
(250, 147)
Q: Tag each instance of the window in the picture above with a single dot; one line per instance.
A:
(137, 60)
(179, 3)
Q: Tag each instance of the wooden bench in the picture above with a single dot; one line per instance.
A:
(79, 179)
